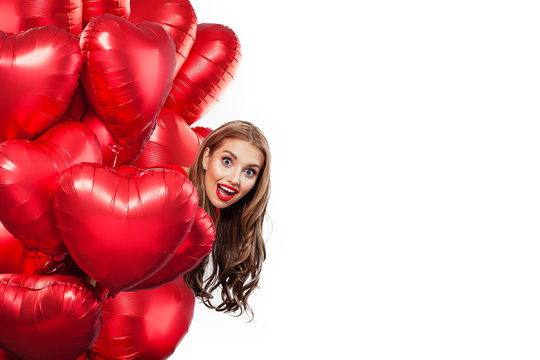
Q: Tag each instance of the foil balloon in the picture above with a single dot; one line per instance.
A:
(127, 74)
(201, 132)
(121, 228)
(197, 244)
(35, 262)
(18, 16)
(94, 8)
(173, 142)
(166, 131)
(210, 67)
(47, 317)
(28, 173)
(11, 252)
(39, 71)
(146, 324)
(176, 16)
(110, 146)
(14, 258)
(76, 107)
(5, 356)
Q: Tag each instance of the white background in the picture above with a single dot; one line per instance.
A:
(405, 179)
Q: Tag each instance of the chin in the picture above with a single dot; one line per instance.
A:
(219, 204)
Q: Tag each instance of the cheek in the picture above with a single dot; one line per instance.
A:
(247, 186)
(216, 170)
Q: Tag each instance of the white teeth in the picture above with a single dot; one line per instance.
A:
(227, 190)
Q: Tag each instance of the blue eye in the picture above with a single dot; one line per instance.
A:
(250, 172)
(227, 161)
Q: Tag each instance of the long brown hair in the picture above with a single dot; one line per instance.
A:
(239, 250)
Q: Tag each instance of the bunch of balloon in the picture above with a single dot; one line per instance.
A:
(98, 220)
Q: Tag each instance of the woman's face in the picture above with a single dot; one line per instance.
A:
(231, 171)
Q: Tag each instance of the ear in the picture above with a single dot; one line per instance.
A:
(206, 157)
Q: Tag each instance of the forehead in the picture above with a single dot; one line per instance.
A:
(243, 150)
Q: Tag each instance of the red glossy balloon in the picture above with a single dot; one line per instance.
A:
(127, 74)
(18, 16)
(37, 263)
(28, 173)
(76, 107)
(177, 16)
(209, 69)
(197, 244)
(120, 229)
(47, 317)
(39, 71)
(5, 356)
(201, 132)
(146, 324)
(11, 252)
(94, 8)
(173, 142)
(173, 167)
(109, 144)
(14, 258)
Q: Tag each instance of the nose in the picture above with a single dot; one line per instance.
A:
(234, 177)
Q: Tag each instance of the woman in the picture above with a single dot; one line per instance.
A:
(232, 176)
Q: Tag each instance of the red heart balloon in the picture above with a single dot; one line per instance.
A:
(47, 317)
(209, 69)
(39, 71)
(197, 244)
(5, 356)
(127, 74)
(11, 252)
(201, 132)
(177, 16)
(28, 173)
(145, 324)
(19, 16)
(121, 228)
(76, 107)
(109, 144)
(172, 142)
(14, 258)
(94, 8)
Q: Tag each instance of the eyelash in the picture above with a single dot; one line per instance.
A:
(225, 159)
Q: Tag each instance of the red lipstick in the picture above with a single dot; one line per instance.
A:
(225, 192)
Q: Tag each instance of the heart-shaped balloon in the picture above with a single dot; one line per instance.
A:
(94, 8)
(197, 244)
(201, 132)
(127, 73)
(14, 258)
(110, 146)
(76, 107)
(177, 16)
(209, 69)
(5, 356)
(121, 228)
(47, 317)
(39, 71)
(146, 324)
(173, 142)
(11, 252)
(19, 16)
(28, 173)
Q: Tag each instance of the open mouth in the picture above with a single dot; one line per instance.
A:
(225, 192)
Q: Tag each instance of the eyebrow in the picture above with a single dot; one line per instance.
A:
(236, 158)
